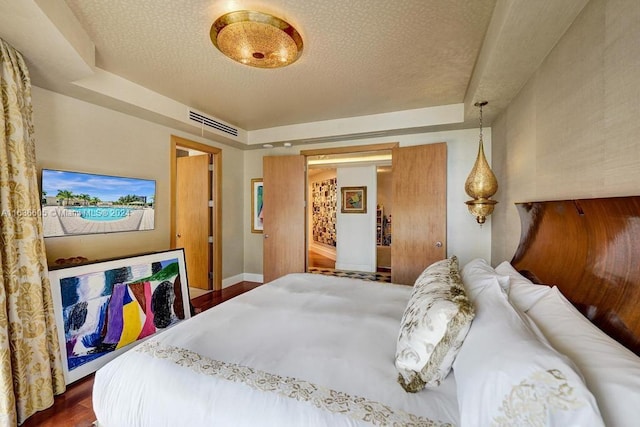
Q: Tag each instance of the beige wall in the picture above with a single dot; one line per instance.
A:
(464, 237)
(572, 132)
(75, 135)
(78, 136)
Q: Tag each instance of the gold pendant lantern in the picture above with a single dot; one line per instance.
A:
(481, 183)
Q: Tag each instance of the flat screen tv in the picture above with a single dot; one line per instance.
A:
(75, 203)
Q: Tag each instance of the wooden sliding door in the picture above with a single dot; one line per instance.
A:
(419, 210)
(419, 230)
(284, 216)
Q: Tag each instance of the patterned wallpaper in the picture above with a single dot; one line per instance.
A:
(549, 144)
(324, 196)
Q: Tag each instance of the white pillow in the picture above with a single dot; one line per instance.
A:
(505, 376)
(611, 371)
(522, 292)
(434, 324)
(478, 273)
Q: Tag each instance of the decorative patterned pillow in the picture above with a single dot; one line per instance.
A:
(433, 327)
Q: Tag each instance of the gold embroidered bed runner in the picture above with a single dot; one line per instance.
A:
(355, 407)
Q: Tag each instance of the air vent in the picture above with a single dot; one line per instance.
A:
(208, 121)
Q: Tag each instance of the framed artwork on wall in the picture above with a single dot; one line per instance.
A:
(257, 205)
(354, 199)
(102, 309)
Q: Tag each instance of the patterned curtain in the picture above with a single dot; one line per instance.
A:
(30, 362)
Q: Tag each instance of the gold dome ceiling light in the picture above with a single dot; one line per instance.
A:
(256, 39)
(481, 183)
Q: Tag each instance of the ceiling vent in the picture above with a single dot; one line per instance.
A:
(212, 123)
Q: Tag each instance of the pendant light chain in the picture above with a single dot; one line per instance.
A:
(481, 123)
(480, 104)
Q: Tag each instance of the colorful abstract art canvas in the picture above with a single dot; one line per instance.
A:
(104, 307)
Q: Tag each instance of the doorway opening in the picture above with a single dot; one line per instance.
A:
(366, 237)
(419, 210)
(196, 211)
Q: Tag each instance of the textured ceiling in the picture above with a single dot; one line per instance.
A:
(360, 56)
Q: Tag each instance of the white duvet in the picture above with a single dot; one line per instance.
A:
(303, 350)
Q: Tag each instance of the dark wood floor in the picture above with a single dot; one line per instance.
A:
(74, 408)
(206, 301)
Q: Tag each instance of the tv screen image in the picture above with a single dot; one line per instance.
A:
(75, 203)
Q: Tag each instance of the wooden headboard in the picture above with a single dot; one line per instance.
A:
(590, 249)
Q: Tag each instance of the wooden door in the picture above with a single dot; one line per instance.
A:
(419, 210)
(192, 217)
(284, 219)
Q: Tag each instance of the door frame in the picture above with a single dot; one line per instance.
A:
(352, 149)
(216, 196)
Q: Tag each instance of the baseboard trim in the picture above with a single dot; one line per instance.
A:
(252, 277)
(242, 277)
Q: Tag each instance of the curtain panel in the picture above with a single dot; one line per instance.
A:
(30, 362)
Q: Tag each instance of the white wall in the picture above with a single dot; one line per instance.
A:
(79, 136)
(572, 131)
(355, 233)
(465, 238)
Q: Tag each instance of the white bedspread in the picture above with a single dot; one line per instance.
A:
(304, 350)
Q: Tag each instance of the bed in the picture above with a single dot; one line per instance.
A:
(304, 347)
(312, 350)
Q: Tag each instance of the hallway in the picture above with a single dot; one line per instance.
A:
(320, 264)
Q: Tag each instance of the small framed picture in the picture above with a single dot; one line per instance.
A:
(257, 205)
(354, 199)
